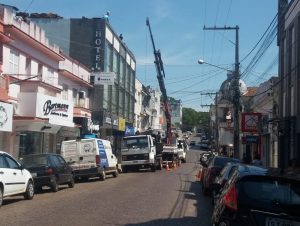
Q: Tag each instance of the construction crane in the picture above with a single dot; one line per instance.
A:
(160, 76)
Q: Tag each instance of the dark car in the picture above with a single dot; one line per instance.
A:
(48, 170)
(213, 170)
(221, 180)
(256, 196)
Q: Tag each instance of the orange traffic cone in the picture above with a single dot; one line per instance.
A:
(175, 166)
(167, 167)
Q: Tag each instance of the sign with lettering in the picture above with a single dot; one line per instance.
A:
(104, 78)
(55, 109)
(251, 122)
(6, 114)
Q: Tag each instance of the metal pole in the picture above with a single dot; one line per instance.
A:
(236, 141)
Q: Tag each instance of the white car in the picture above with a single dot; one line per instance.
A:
(14, 179)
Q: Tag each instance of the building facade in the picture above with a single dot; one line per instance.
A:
(94, 43)
(289, 83)
(43, 110)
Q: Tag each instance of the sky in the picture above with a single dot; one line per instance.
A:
(177, 27)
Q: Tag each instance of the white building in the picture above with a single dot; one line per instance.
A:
(46, 94)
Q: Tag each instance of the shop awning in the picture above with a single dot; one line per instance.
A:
(36, 125)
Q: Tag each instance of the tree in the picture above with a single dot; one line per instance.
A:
(192, 118)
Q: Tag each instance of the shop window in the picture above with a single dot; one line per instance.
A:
(30, 143)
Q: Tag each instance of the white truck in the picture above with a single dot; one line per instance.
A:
(140, 152)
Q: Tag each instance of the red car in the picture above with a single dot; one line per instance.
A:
(214, 167)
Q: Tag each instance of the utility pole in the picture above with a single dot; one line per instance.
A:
(236, 88)
(216, 113)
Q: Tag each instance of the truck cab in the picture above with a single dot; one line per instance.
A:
(140, 152)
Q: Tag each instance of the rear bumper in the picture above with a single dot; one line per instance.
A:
(90, 172)
(43, 181)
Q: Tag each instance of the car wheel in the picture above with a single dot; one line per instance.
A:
(116, 173)
(153, 168)
(71, 184)
(29, 191)
(1, 197)
(102, 176)
(54, 186)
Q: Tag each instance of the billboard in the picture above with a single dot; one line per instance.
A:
(251, 122)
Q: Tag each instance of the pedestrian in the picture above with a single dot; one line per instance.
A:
(158, 137)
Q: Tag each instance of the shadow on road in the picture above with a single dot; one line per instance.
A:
(185, 221)
(192, 192)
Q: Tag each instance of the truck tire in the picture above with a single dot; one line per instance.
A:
(153, 168)
(124, 169)
(116, 173)
(102, 176)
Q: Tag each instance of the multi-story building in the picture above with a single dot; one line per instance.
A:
(94, 43)
(176, 112)
(289, 83)
(41, 88)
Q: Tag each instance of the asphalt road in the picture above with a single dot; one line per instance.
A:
(136, 198)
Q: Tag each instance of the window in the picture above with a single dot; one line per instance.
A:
(75, 100)
(13, 62)
(50, 77)
(65, 92)
(12, 163)
(55, 161)
(28, 66)
(61, 160)
(3, 163)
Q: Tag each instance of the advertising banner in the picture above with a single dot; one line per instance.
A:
(6, 115)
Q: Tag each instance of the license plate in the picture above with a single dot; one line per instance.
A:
(280, 222)
(135, 161)
(33, 174)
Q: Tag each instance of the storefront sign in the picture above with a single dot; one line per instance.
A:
(58, 111)
(250, 122)
(107, 120)
(129, 130)
(250, 139)
(121, 124)
(6, 114)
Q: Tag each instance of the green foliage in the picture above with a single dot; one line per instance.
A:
(192, 118)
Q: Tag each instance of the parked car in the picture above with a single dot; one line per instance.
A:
(213, 170)
(48, 170)
(14, 179)
(220, 180)
(258, 196)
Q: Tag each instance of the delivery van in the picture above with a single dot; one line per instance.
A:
(90, 158)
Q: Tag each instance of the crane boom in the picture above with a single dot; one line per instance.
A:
(160, 76)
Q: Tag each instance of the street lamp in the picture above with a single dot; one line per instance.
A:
(200, 61)
(236, 102)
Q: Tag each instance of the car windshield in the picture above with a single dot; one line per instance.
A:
(135, 142)
(30, 161)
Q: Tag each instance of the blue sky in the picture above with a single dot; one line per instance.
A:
(177, 26)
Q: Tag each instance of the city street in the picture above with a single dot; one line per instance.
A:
(136, 198)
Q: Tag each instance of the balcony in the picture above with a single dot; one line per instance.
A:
(4, 87)
(81, 108)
